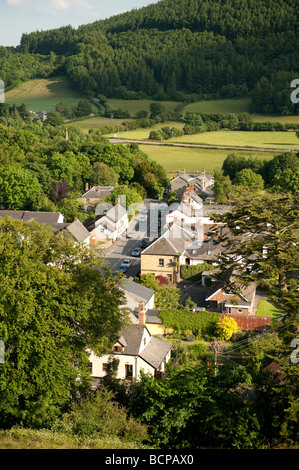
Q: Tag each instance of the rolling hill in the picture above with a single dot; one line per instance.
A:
(181, 50)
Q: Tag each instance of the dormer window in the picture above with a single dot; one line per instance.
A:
(118, 349)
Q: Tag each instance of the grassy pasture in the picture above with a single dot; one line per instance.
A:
(257, 139)
(192, 159)
(43, 94)
(96, 122)
(282, 141)
(133, 106)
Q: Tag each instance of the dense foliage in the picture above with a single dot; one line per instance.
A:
(278, 175)
(41, 170)
(57, 302)
(170, 49)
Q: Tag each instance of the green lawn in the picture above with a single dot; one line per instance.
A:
(266, 309)
(192, 159)
(43, 94)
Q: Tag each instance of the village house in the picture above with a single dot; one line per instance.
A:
(231, 301)
(110, 225)
(136, 294)
(202, 183)
(163, 255)
(193, 212)
(136, 350)
(94, 195)
(55, 220)
(41, 115)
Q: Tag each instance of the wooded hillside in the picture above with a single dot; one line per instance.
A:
(172, 49)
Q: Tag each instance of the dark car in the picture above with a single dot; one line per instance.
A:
(144, 243)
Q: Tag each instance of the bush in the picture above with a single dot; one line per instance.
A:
(100, 416)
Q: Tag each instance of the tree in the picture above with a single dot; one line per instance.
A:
(165, 295)
(19, 189)
(83, 108)
(54, 119)
(266, 223)
(101, 174)
(156, 109)
(130, 195)
(249, 178)
(225, 328)
(57, 302)
(222, 187)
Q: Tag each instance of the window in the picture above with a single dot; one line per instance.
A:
(117, 349)
(90, 367)
(169, 277)
(104, 367)
(240, 310)
(161, 262)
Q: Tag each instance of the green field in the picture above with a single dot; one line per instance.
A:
(43, 94)
(192, 159)
(240, 105)
(282, 141)
(96, 122)
(271, 140)
(133, 106)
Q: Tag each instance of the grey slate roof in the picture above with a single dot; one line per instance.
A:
(152, 316)
(141, 292)
(47, 218)
(77, 229)
(173, 241)
(207, 250)
(153, 353)
(133, 337)
(156, 350)
(98, 192)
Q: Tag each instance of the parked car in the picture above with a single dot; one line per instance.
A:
(122, 269)
(136, 252)
(126, 263)
(144, 243)
(142, 219)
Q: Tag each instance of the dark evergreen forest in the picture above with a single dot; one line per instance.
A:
(173, 50)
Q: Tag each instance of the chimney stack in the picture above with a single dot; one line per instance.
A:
(141, 313)
(86, 187)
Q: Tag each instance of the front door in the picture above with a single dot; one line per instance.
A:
(128, 371)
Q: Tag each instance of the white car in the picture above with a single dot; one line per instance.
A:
(136, 252)
(126, 263)
(142, 219)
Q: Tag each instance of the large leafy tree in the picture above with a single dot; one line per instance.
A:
(263, 247)
(57, 301)
(263, 238)
(19, 188)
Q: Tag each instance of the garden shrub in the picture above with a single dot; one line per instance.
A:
(100, 416)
